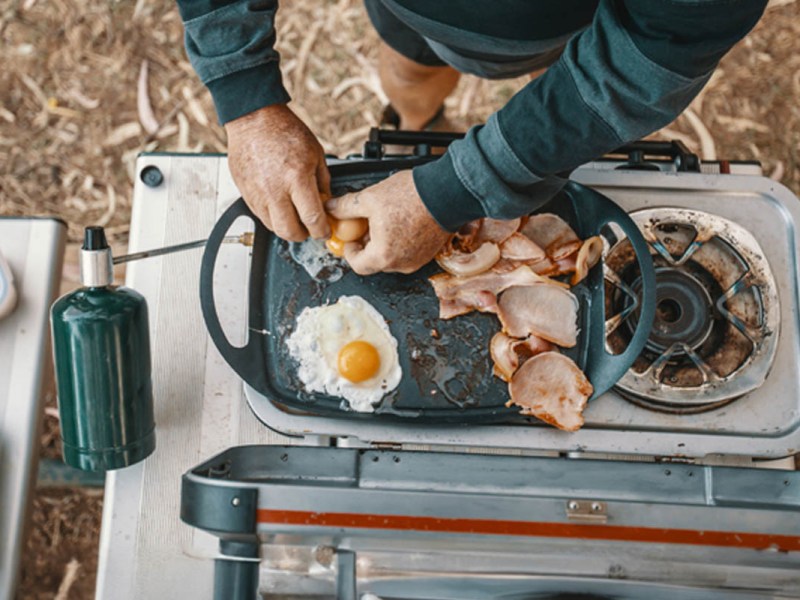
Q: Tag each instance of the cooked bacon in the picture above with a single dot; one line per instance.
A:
(508, 352)
(466, 264)
(473, 234)
(460, 295)
(546, 268)
(548, 311)
(464, 239)
(551, 387)
(553, 234)
(521, 248)
(566, 265)
(496, 230)
(504, 267)
(480, 300)
(588, 256)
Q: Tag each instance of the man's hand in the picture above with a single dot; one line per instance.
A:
(279, 166)
(402, 235)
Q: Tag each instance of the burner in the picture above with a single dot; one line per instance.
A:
(716, 324)
(683, 314)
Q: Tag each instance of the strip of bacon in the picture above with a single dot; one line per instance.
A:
(548, 311)
(508, 352)
(551, 387)
(521, 248)
(545, 268)
(460, 295)
(588, 256)
(467, 264)
(553, 234)
(496, 230)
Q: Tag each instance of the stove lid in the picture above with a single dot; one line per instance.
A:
(411, 515)
(717, 311)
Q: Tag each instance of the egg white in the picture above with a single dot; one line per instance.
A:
(322, 331)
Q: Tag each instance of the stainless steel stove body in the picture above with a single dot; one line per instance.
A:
(753, 412)
(404, 511)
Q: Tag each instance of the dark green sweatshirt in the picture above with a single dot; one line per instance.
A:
(629, 68)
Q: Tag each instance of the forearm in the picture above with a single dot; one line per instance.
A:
(624, 77)
(230, 45)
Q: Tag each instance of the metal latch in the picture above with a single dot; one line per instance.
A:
(587, 511)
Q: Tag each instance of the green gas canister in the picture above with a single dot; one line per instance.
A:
(101, 349)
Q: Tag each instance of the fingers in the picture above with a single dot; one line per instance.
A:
(323, 180)
(349, 206)
(307, 202)
(261, 211)
(285, 221)
(360, 258)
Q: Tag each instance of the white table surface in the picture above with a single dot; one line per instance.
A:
(145, 549)
(34, 249)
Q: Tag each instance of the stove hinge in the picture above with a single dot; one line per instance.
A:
(386, 446)
(682, 460)
(587, 511)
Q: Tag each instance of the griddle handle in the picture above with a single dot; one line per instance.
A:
(248, 360)
(593, 211)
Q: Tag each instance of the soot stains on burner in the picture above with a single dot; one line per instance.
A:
(688, 324)
(710, 309)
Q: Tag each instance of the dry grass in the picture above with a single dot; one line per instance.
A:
(65, 531)
(75, 111)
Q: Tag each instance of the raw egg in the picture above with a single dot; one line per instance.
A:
(335, 246)
(349, 230)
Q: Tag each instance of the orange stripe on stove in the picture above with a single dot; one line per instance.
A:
(532, 529)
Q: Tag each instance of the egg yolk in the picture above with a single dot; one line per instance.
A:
(335, 246)
(358, 361)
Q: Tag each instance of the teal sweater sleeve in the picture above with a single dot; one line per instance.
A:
(230, 45)
(632, 71)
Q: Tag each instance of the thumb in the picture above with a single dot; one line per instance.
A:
(349, 206)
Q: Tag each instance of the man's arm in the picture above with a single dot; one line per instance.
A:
(276, 162)
(230, 45)
(635, 69)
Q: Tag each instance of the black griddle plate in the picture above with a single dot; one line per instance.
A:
(446, 379)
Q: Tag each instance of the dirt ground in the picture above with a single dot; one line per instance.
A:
(86, 85)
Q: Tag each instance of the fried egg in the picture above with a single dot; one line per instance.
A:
(346, 350)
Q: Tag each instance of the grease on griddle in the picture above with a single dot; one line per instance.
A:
(317, 261)
(453, 375)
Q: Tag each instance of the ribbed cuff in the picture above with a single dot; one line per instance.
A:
(243, 92)
(443, 194)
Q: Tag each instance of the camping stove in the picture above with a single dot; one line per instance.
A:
(412, 510)
(718, 377)
(658, 496)
(717, 312)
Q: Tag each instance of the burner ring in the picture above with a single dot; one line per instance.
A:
(683, 311)
(727, 347)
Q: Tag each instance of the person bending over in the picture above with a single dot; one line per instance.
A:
(616, 70)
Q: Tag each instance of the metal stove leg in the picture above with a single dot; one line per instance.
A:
(345, 575)
(236, 578)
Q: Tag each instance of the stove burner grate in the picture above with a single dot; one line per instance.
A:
(716, 327)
